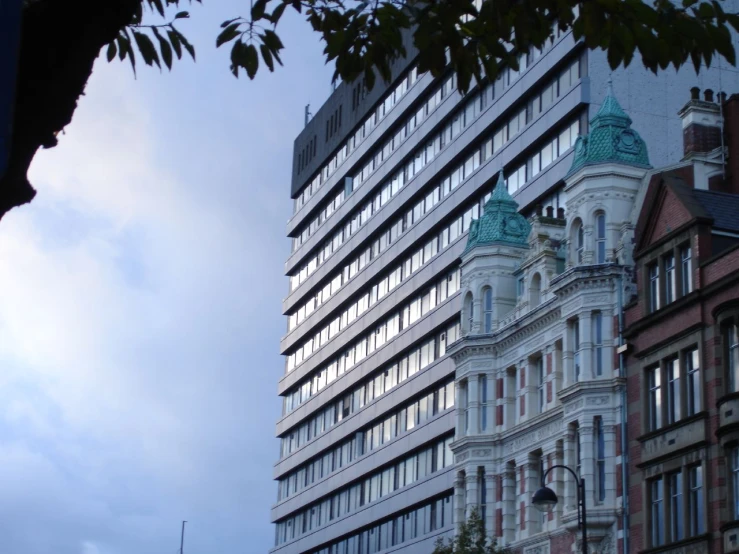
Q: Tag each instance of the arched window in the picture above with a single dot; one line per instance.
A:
(469, 311)
(580, 243)
(487, 306)
(535, 290)
(600, 238)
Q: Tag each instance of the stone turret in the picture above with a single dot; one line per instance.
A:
(611, 139)
(496, 245)
(601, 186)
(500, 222)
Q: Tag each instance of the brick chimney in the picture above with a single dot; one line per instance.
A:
(701, 124)
(731, 135)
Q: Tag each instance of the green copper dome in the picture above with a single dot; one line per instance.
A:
(611, 139)
(500, 221)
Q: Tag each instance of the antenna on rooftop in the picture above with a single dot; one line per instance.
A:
(308, 115)
(182, 538)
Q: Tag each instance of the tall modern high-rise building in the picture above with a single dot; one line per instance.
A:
(385, 185)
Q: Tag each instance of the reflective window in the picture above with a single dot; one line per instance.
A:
(600, 238)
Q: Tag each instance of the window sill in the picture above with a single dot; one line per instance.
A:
(726, 398)
(677, 546)
(728, 415)
(687, 435)
(652, 317)
(673, 426)
(729, 525)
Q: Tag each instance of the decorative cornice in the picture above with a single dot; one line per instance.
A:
(603, 386)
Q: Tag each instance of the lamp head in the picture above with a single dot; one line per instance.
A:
(545, 499)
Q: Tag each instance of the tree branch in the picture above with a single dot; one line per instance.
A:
(60, 40)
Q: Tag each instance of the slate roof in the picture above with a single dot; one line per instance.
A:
(500, 221)
(719, 209)
(723, 208)
(611, 139)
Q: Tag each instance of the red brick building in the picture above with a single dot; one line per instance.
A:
(682, 345)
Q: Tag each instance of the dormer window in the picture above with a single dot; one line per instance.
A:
(600, 240)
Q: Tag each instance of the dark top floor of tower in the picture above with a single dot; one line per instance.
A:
(338, 118)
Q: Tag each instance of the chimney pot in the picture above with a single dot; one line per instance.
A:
(695, 93)
(560, 213)
(721, 97)
(539, 210)
(708, 95)
(550, 211)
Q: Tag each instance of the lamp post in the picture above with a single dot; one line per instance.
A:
(545, 499)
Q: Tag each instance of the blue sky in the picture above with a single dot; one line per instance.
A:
(140, 308)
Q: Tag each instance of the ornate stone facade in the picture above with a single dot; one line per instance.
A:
(536, 372)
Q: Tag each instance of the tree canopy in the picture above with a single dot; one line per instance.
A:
(470, 539)
(476, 38)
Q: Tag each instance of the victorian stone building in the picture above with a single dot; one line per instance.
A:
(683, 344)
(539, 381)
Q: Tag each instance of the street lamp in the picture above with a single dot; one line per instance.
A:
(545, 499)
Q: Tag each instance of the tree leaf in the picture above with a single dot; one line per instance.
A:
(126, 42)
(164, 48)
(175, 41)
(158, 6)
(228, 34)
(238, 58)
(257, 9)
(112, 51)
(277, 13)
(146, 47)
(121, 47)
(189, 47)
(252, 60)
(228, 22)
(267, 57)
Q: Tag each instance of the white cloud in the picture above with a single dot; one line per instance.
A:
(90, 548)
(140, 315)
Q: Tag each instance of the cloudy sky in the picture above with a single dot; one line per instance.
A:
(140, 308)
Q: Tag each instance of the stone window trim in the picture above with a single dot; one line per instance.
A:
(672, 242)
(657, 254)
(682, 462)
(729, 445)
(676, 545)
(729, 527)
(677, 349)
(578, 241)
(724, 316)
(600, 226)
(728, 435)
(703, 414)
